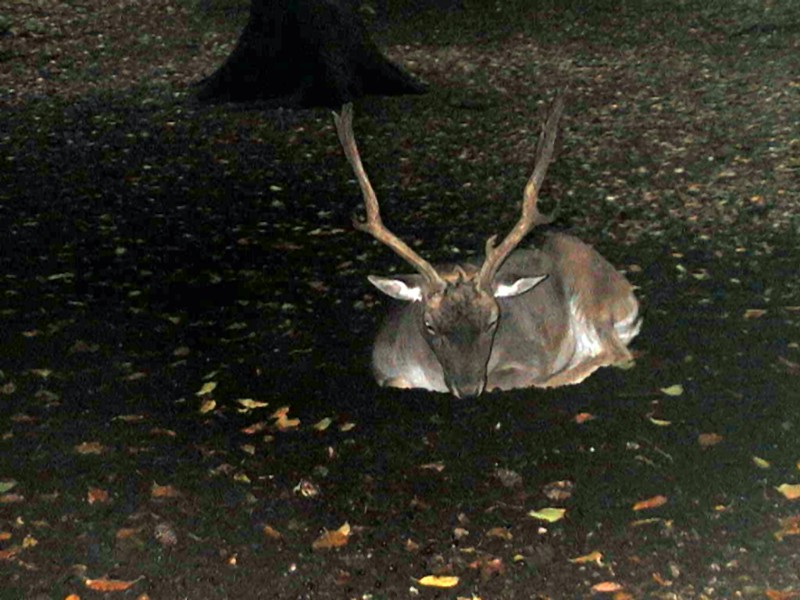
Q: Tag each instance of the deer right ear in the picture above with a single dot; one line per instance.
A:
(408, 287)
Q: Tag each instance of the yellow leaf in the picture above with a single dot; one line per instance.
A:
(592, 557)
(439, 581)
(660, 422)
(251, 404)
(207, 406)
(322, 424)
(653, 502)
(673, 390)
(332, 539)
(761, 463)
(208, 387)
(346, 426)
(754, 313)
(790, 491)
(551, 515)
(241, 478)
(789, 526)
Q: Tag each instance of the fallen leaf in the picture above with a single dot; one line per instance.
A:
(208, 387)
(673, 390)
(754, 313)
(434, 466)
(250, 404)
(10, 553)
(282, 421)
(90, 448)
(439, 581)
(583, 417)
(272, 533)
(96, 495)
(163, 491)
(606, 587)
(781, 594)
(558, 491)
(709, 439)
(11, 498)
(346, 426)
(653, 502)
(501, 533)
(660, 422)
(761, 463)
(551, 515)
(789, 526)
(790, 491)
(207, 406)
(255, 428)
(109, 585)
(332, 539)
(593, 557)
(6, 485)
(322, 424)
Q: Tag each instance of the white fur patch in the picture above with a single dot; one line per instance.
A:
(587, 342)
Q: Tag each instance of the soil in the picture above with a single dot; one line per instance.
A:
(186, 405)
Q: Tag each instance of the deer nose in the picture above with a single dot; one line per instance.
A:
(471, 390)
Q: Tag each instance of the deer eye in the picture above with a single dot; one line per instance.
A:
(492, 322)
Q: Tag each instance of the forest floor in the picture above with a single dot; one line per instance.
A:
(186, 406)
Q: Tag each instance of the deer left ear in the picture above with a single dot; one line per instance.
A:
(516, 287)
(402, 287)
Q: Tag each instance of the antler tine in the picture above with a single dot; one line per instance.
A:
(373, 224)
(530, 217)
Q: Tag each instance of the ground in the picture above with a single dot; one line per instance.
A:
(169, 268)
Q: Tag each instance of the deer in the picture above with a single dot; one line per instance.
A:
(521, 318)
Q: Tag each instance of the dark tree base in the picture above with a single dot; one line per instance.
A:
(305, 53)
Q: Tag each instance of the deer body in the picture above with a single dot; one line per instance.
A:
(522, 318)
(581, 317)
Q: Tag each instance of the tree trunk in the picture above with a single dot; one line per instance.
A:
(305, 53)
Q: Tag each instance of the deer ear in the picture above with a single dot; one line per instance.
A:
(402, 287)
(516, 287)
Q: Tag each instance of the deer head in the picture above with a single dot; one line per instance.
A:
(458, 311)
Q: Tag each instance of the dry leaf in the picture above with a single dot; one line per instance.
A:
(434, 466)
(282, 421)
(781, 594)
(593, 557)
(501, 533)
(109, 585)
(606, 587)
(790, 491)
(96, 495)
(255, 428)
(660, 422)
(754, 313)
(709, 439)
(163, 491)
(332, 539)
(90, 448)
(789, 526)
(653, 502)
(250, 404)
(558, 491)
(583, 417)
(207, 406)
(272, 533)
(439, 581)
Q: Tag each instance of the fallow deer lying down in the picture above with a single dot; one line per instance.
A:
(523, 318)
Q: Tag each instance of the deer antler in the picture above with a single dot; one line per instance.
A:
(531, 217)
(373, 224)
